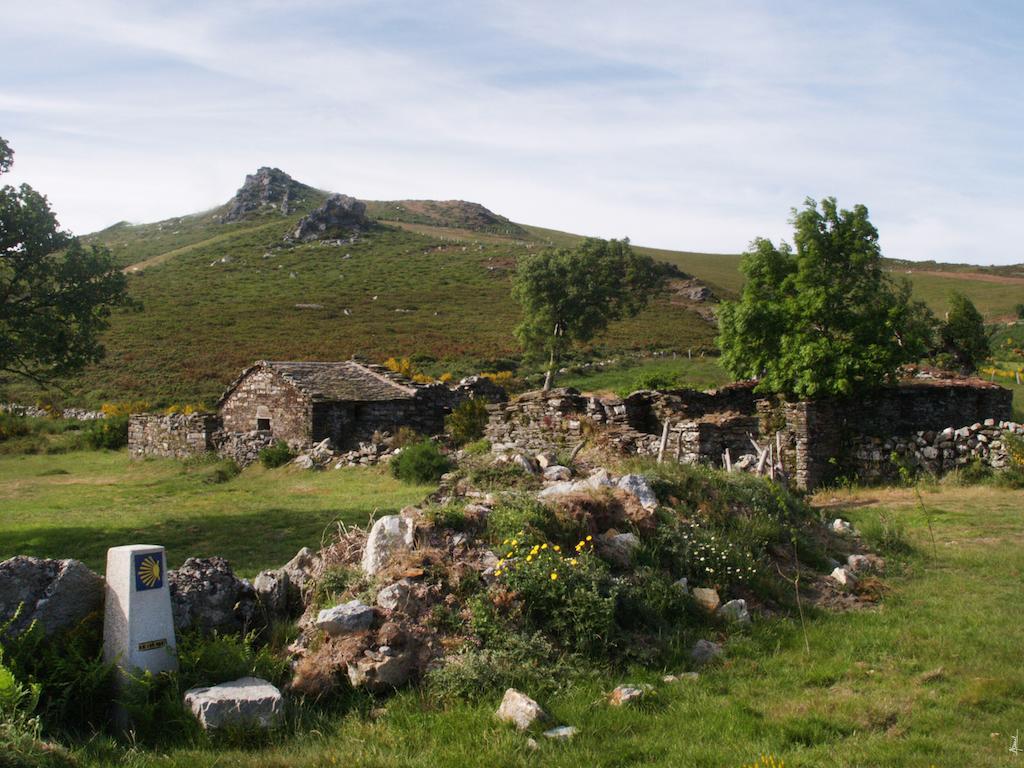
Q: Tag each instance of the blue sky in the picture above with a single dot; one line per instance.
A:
(679, 124)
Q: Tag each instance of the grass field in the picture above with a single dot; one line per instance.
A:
(630, 375)
(932, 677)
(85, 502)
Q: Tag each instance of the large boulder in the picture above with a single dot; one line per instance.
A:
(248, 702)
(381, 671)
(389, 535)
(346, 618)
(56, 593)
(206, 595)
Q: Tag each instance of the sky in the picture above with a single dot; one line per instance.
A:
(683, 125)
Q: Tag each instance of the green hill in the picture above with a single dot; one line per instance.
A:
(425, 279)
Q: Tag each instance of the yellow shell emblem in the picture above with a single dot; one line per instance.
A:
(149, 571)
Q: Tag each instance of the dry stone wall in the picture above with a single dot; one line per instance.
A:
(173, 436)
(265, 395)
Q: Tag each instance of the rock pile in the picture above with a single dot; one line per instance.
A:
(35, 412)
(206, 595)
(267, 188)
(340, 213)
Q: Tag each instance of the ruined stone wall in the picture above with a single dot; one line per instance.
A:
(176, 436)
(264, 392)
(243, 448)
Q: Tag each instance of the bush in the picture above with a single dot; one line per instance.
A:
(467, 421)
(518, 516)
(12, 426)
(276, 455)
(110, 433)
(478, 448)
(421, 463)
(567, 595)
(451, 516)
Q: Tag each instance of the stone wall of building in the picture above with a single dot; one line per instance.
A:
(175, 436)
(818, 441)
(242, 447)
(262, 394)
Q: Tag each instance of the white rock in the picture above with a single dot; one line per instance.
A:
(397, 595)
(303, 462)
(558, 489)
(561, 733)
(639, 486)
(389, 535)
(841, 526)
(546, 459)
(599, 479)
(844, 577)
(865, 563)
(352, 616)
(618, 548)
(683, 585)
(735, 612)
(244, 703)
(707, 598)
(525, 464)
(520, 709)
(627, 694)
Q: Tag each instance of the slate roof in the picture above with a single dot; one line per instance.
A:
(347, 381)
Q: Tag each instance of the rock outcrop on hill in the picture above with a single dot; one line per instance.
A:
(267, 188)
(340, 213)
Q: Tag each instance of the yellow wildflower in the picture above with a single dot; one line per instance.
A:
(589, 538)
(545, 546)
(573, 561)
(557, 548)
(554, 576)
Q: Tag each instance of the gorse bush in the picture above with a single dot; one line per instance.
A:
(420, 463)
(110, 433)
(276, 455)
(467, 421)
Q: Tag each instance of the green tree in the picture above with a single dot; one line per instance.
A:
(570, 295)
(55, 294)
(823, 319)
(963, 335)
(1019, 309)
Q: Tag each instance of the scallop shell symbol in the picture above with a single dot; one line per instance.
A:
(149, 571)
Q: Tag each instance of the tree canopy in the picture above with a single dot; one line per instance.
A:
(823, 318)
(570, 295)
(963, 335)
(55, 294)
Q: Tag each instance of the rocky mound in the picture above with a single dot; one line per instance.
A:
(340, 214)
(457, 214)
(267, 188)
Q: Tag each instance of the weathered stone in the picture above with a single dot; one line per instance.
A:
(380, 672)
(704, 652)
(346, 618)
(735, 612)
(844, 577)
(248, 702)
(206, 595)
(305, 461)
(520, 709)
(525, 463)
(546, 459)
(706, 598)
(58, 594)
(640, 487)
(299, 571)
(340, 214)
(865, 563)
(399, 595)
(683, 585)
(389, 535)
(267, 188)
(272, 588)
(556, 472)
(841, 526)
(627, 694)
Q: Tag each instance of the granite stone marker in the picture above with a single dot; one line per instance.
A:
(138, 629)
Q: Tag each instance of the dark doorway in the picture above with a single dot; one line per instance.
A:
(263, 425)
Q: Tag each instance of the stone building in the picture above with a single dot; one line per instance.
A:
(304, 403)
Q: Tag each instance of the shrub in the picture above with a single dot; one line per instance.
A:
(467, 421)
(451, 515)
(405, 436)
(478, 448)
(332, 583)
(567, 595)
(110, 433)
(422, 463)
(12, 426)
(517, 517)
(276, 455)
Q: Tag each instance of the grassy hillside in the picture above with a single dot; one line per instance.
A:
(430, 280)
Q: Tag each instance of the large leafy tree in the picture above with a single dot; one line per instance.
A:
(570, 295)
(55, 294)
(823, 318)
(963, 335)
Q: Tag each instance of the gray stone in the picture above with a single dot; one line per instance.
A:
(520, 709)
(735, 612)
(683, 585)
(841, 526)
(381, 671)
(640, 487)
(346, 618)
(618, 548)
(58, 594)
(707, 598)
(546, 459)
(248, 702)
(206, 595)
(704, 652)
(389, 535)
(556, 472)
(865, 563)
(339, 212)
(558, 489)
(597, 480)
(525, 463)
(305, 461)
(398, 596)
(272, 589)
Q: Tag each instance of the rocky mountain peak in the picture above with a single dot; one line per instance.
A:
(267, 188)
